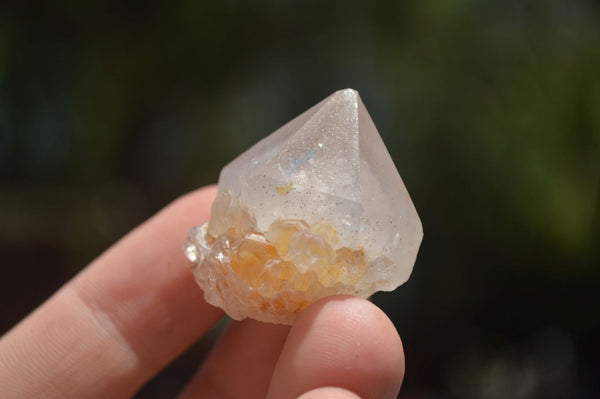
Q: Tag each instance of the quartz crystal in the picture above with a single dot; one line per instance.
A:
(315, 209)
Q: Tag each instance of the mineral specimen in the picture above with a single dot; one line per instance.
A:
(315, 209)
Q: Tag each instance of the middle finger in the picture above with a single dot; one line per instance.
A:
(241, 364)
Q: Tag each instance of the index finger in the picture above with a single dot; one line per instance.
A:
(343, 342)
(119, 321)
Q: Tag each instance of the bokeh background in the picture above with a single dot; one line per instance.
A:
(490, 109)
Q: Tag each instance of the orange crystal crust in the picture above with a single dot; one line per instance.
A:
(272, 276)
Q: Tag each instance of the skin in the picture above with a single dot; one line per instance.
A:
(136, 308)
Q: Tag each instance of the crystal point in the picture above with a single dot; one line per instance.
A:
(315, 209)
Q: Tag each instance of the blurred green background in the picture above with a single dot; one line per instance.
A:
(490, 109)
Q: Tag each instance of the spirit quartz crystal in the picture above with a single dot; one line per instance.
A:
(315, 209)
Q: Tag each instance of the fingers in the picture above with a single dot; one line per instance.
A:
(241, 364)
(118, 322)
(343, 342)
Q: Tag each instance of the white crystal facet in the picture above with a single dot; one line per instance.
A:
(336, 217)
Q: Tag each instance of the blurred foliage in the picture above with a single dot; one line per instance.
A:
(491, 110)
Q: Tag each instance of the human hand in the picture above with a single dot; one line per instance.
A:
(136, 307)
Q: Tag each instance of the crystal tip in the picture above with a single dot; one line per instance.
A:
(348, 92)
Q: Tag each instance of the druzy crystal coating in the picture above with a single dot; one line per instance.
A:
(317, 208)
